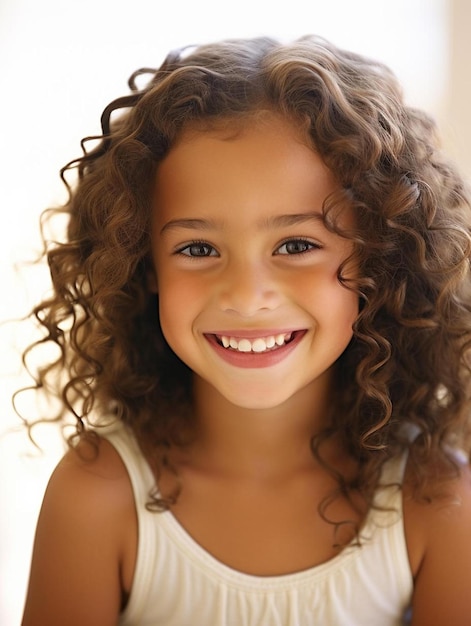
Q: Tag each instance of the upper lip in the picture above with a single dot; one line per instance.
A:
(254, 333)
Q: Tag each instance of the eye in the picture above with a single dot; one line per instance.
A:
(297, 246)
(198, 249)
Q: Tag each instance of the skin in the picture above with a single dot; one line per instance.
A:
(253, 425)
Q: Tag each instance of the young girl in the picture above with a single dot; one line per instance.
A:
(263, 322)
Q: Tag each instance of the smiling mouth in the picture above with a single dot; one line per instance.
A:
(257, 345)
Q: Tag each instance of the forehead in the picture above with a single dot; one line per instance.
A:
(258, 134)
(265, 164)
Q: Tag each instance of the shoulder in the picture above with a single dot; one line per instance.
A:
(93, 460)
(438, 536)
(92, 478)
(85, 540)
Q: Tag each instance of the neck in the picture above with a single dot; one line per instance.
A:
(256, 442)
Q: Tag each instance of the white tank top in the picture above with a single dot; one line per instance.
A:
(178, 583)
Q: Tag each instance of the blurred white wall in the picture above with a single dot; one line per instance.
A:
(457, 117)
(62, 61)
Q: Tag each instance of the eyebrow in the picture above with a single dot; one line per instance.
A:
(192, 224)
(276, 221)
(291, 219)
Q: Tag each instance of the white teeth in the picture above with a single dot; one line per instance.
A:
(244, 345)
(279, 340)
(260, 344)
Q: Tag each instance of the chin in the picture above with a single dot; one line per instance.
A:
(257, 401)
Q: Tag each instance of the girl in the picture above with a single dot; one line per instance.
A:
(262, 311)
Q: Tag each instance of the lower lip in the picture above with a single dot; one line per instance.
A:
(255, 359)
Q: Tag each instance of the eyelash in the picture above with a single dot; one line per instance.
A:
(195, 244)
(309, 247)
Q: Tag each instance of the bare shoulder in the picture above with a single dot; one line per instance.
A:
(92, 474)
(84, 550)
(93, 460)
(439, 542)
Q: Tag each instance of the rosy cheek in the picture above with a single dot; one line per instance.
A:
(178, 293)
(187, 286)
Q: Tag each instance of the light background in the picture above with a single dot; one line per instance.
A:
(62, 61)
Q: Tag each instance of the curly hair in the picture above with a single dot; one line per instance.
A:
(408, 361)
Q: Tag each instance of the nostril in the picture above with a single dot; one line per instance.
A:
(247, 299)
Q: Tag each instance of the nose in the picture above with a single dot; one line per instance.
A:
(249, 287)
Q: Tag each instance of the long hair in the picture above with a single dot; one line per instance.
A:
(408, 361)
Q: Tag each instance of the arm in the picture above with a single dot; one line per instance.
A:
(84, 543)
(442, 595)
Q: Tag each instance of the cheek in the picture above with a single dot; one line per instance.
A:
(328, 299)
(179, 298)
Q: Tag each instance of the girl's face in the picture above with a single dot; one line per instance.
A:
(245, 270)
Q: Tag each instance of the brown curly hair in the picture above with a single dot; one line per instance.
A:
(408, 361)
